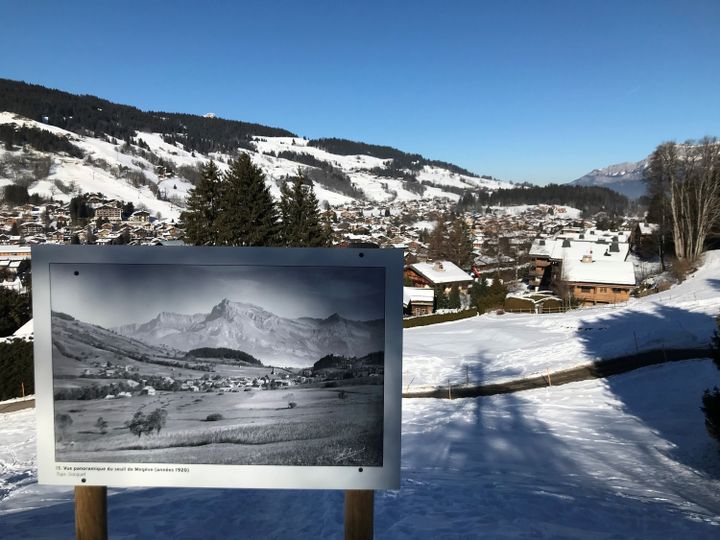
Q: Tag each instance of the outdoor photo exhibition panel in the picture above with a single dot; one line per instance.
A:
(218, 367)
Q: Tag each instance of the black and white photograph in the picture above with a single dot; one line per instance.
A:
(218, 364)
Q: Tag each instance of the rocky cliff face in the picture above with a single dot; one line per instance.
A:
(268, 337)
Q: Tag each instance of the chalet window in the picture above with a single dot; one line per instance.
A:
(586, 289)
(603, 289)
(617, 290)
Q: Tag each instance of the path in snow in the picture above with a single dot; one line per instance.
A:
(597, 370)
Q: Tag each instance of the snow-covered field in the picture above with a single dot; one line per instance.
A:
(494, 348)
(626, 457)
(623, 457)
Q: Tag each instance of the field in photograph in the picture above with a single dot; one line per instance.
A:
(292, 426)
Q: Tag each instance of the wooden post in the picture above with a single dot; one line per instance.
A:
(22, 388)
(359, 514)
(91, 513)
(449, 390)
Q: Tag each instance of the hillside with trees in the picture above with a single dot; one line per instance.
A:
(94, 116)
(224, 353)
(400, 159)
(589, 199)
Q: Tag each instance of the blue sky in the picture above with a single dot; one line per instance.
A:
(356, 293)
(523, 90)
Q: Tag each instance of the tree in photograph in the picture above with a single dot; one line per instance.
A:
(685, 181)
(247, 214)
(62, 424)
(156, 420)
(101, 425)
(203, 206)
(137, 424)
(300, 222)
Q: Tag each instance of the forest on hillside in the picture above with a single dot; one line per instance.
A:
(90, 115)
(589, 199)
(400, 159)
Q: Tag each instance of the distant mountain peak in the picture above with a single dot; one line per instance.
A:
(626, 178)
(261, 333)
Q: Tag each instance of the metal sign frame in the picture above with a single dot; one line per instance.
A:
(48, 261)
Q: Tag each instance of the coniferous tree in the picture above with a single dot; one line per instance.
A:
(437, 245)
(715, 343)
(201, 216)
(441, 299)
(460, 243)
(301, 225)
(247, 215)
(15, 310)
(452, 243)
(454, 297)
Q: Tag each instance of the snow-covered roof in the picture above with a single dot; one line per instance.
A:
(600, 271)
(26, 330)
(441, 272)
(418, 295)
(648, 228)
(600, 247)
(15, 285)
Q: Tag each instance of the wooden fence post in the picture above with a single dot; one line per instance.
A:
(91, 513)
(359, 505)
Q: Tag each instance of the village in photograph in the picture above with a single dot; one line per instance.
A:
(238, 365)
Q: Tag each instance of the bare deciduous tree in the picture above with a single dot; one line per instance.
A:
(688, 178)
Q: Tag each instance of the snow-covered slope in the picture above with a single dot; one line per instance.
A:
(99, 171)
(494, 348)
(129, 173)
(626, 457)
(625, 178)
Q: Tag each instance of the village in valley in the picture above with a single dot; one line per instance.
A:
(544, 253)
